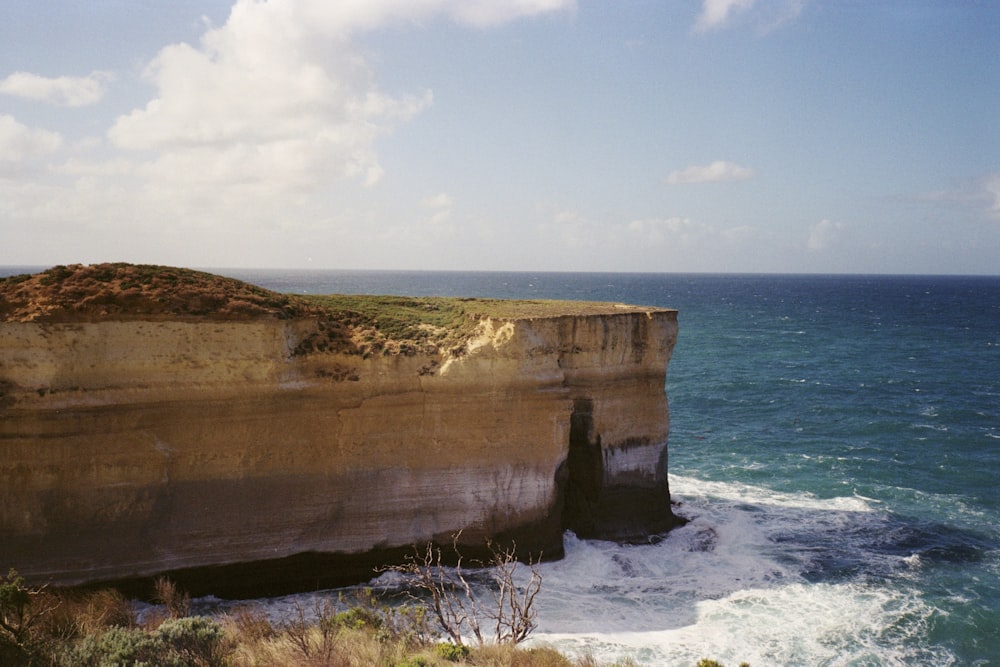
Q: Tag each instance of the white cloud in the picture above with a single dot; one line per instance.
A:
(442, 205)
(439, 201)
(346, 16)
(279, 98)
(77, 167)
(714, 13)
(769, 15)
(718, 172)
(484, 13)
(823, 234)
(18, 142)
(68, 91)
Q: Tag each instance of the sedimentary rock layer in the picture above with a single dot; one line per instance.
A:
(133, 448)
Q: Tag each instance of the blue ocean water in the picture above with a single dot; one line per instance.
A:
(835, 442)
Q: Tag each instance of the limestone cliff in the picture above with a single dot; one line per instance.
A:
(143, 440)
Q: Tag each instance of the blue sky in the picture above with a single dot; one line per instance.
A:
(716, 135)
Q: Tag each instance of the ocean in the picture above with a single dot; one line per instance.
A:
(835, 443)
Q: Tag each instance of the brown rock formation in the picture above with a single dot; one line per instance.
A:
(239, 442)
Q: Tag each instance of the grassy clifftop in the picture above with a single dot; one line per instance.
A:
(100, 292)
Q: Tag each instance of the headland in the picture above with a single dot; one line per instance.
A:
(156, 420)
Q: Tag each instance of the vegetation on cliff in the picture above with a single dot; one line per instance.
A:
(347, 323)
(126, 291)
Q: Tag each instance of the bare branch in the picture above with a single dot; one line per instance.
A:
(454, 601)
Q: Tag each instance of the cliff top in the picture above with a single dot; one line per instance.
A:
(102, 292)
(85, 293)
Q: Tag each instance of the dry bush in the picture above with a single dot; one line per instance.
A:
(458, 609)
(78, 614)
(317, 642)
(507, 655)
(587, 661)
(251, 624)
(367, 633)
(513, 611)
(363, 647)
(166, 593)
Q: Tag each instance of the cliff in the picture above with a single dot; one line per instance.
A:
(235, 438)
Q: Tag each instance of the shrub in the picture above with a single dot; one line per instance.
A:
(252, 623)
(315, 641)
(77, 614)
(358, 618)
(22, 610)
(119, 647)
(415, 661)
(196, 640)
(508, 655)
(167, 593)
(544, 656)
(452, 652)
(15, 608)
(456, 606)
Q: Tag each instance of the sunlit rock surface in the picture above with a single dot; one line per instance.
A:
(226, 452)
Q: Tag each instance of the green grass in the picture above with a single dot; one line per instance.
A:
(367, 325)
(396, 318)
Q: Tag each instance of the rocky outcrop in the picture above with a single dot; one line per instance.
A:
(232, 452)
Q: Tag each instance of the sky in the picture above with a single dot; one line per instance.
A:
(776, 136)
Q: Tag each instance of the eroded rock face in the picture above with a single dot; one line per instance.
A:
(133, 448)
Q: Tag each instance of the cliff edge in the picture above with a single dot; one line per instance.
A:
(159, 420)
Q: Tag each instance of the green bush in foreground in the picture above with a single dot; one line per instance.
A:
(182, 642)
(452, 652)
(119, 646)
(196, 640)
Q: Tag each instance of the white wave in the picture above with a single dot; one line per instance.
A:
(795, 624)
(687, 489)
(737, 583)
(933, 427)
(731, 585)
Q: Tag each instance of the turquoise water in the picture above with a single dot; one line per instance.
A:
(835, 442)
